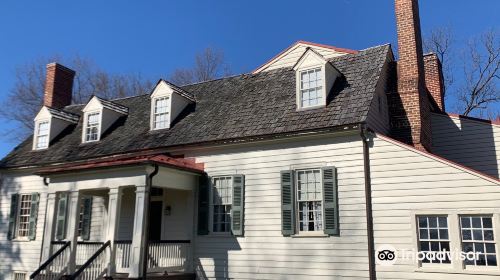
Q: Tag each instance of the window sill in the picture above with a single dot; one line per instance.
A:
(21, 240)
(310, 235)
(299, 109)
(219, 234)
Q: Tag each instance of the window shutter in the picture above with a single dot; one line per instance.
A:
(203, 204)
(287, 203)
(330, 200)
(14, 201)
(238, 206)
(87, 213)
(35, 199)
(62, 207)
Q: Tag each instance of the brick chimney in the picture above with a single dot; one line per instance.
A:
(434, 79)
(58, 86)
(410, 119)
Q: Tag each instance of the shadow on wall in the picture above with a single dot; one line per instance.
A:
(10, 252)
(467, 141)
(218, 254)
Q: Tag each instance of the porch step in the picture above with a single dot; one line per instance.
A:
(161, 276)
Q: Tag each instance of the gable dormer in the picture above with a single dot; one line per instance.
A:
(98, 116)
(167, 102)
(315, 77)
(49, 123)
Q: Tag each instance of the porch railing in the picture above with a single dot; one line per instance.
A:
(85, 250)
(55, 266)
(164, 255)
(169, 255)
(95, 267)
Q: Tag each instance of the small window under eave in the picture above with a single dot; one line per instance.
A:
(167, 102)
(98, 116)
(49, 123)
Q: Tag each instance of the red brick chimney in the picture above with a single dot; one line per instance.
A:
(434, 79)
(411, 123)
(58, 86)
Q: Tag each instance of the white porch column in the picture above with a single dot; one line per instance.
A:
(72, 233)
(114, 206)
(138, 237)
(50, 225)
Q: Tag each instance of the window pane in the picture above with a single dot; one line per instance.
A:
(311, 87)
(92, 130)
(161, 112)
(479, 229)
(309, 197)
(24, 213)
(433, 236)
(222, 193)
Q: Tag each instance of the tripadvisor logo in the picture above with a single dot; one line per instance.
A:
(385, 255)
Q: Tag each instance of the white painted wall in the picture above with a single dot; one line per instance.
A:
(263, 253)
(20, 256)
(406, 183)
(179, 224)
(471, 143)
(289, 58)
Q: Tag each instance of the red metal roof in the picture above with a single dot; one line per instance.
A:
(164, 160)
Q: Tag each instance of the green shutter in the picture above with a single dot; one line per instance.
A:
(14, 201)
(330, 200)
(62, 207)
(238, 205)
(203, 204)
(87, 213)
(35, 200)
(287, 203)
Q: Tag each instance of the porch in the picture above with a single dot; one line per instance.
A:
(122, 222)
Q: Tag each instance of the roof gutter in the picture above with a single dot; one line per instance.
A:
(149, 185)
(363, 130)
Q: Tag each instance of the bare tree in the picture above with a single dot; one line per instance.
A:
(482, 72)
(26, 97)
(440, 41)
(209, 64)
(477, 90)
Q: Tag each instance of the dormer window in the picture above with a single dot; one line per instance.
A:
(167, 103)
(92, 125)
(161, 113)
(100, 115)
(315, 77)
(311, 87)
(42, 135)
(49, 123)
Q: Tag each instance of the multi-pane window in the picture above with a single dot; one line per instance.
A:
(92, 127)
(433, 237)
(477, 237)
(222, 197)
(309, 200)
(311, 87)
(42, 135)
(161, 112)
(23, 217)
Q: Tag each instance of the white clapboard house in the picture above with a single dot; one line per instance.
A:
(301, 169)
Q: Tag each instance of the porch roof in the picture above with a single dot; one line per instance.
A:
(162, 160)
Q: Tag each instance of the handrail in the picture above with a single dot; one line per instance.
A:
(49, 260)
(154, 241)
(89, 261)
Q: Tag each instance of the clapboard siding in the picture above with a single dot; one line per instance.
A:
(20, 255)
(419, 184)
(263, 253)
(289, 59)
(471, 143)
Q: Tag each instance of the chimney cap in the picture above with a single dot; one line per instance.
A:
(61, 67)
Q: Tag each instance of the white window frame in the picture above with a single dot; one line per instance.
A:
(454, 232)
(438, 227)
(211, 204)
(322, 100)
(18, 216)
(36, 134)
(154, 114)
(85, 126)
(482, 228)
(297, 202)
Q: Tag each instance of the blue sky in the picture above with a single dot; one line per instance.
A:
(154, 37)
